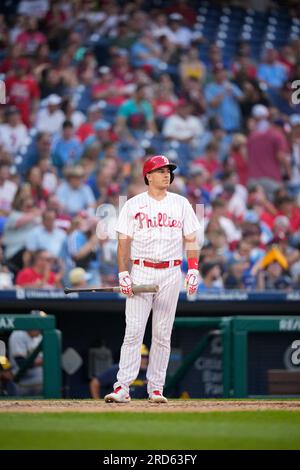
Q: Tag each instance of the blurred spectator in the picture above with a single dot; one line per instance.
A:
(209, 160)
(21, 345)
(51, 82)
(49, 178)
(271, 72)
(123, 38)
(294, 183)
(211, 277)
(192, 93)
(238, 158)
(159, 26)
(71, 114)
(220, 215)
(164, 104)
(182, 126)
(147, 52)
(74, 194)
(196, 186)
(287, 206)
(31, 38)
(81, 248)
(223, 100)
(51, 118)
(78, 277)
(265, 140)
(8, 189)
(40, 274)
(234, 279)
(46, 236)
(13, 134)
(6, 277)
(39, 149)
(190, 66)
(122, 69)
(37, 191)
(23, 218)
(22, 90)
(180, 34)
(274, 277)
(108, 88)
(216, 238)
(185, 9)
(233, 193)
(136, 114)
(86, 129)
(67, 149)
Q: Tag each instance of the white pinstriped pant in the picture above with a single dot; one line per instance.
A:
(163, 305)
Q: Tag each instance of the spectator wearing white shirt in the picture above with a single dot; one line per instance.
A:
(46, 236)
(159, 27)
(182, 36)
(51, 118)
(8, 190)
(13, 133)
(24, 216)
(183, 126)
(73, 194)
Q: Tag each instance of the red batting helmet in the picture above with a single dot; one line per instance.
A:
(158, 161)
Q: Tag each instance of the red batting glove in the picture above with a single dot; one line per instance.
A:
(191, 281)
(125, 283)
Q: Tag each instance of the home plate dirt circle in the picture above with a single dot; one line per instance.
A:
(192, 406)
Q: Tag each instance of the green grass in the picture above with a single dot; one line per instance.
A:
(216, 430)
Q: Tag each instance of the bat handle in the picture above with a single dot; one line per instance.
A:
(151, 288)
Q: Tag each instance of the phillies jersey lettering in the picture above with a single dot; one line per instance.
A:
(162, 220)
(157, 227)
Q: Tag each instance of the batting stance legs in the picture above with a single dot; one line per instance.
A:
(163, 305)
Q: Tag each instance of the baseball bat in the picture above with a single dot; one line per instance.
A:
(142, 288)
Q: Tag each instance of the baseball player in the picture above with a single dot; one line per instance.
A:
(153, 227)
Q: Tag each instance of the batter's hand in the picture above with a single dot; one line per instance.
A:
(191, 281)
(125, 283)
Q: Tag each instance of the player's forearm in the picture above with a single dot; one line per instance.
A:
(123, 254)
(192, 247)
(193, 254)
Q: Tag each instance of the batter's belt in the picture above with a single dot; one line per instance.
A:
(160, 265)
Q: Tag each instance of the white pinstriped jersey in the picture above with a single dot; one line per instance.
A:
(157, 227)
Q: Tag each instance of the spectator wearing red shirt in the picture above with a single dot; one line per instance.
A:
(209, 160)
(121, 67)
(287, 206)
(108, 88)
(14, 54)
(31, 38)
(164, 105)
(238, 158)
(22, 90)
(267, 152)
(86, 129)
(39, 275)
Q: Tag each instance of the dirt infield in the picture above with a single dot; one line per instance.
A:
(189, 406)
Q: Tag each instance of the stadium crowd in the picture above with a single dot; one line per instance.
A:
(93, 88)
